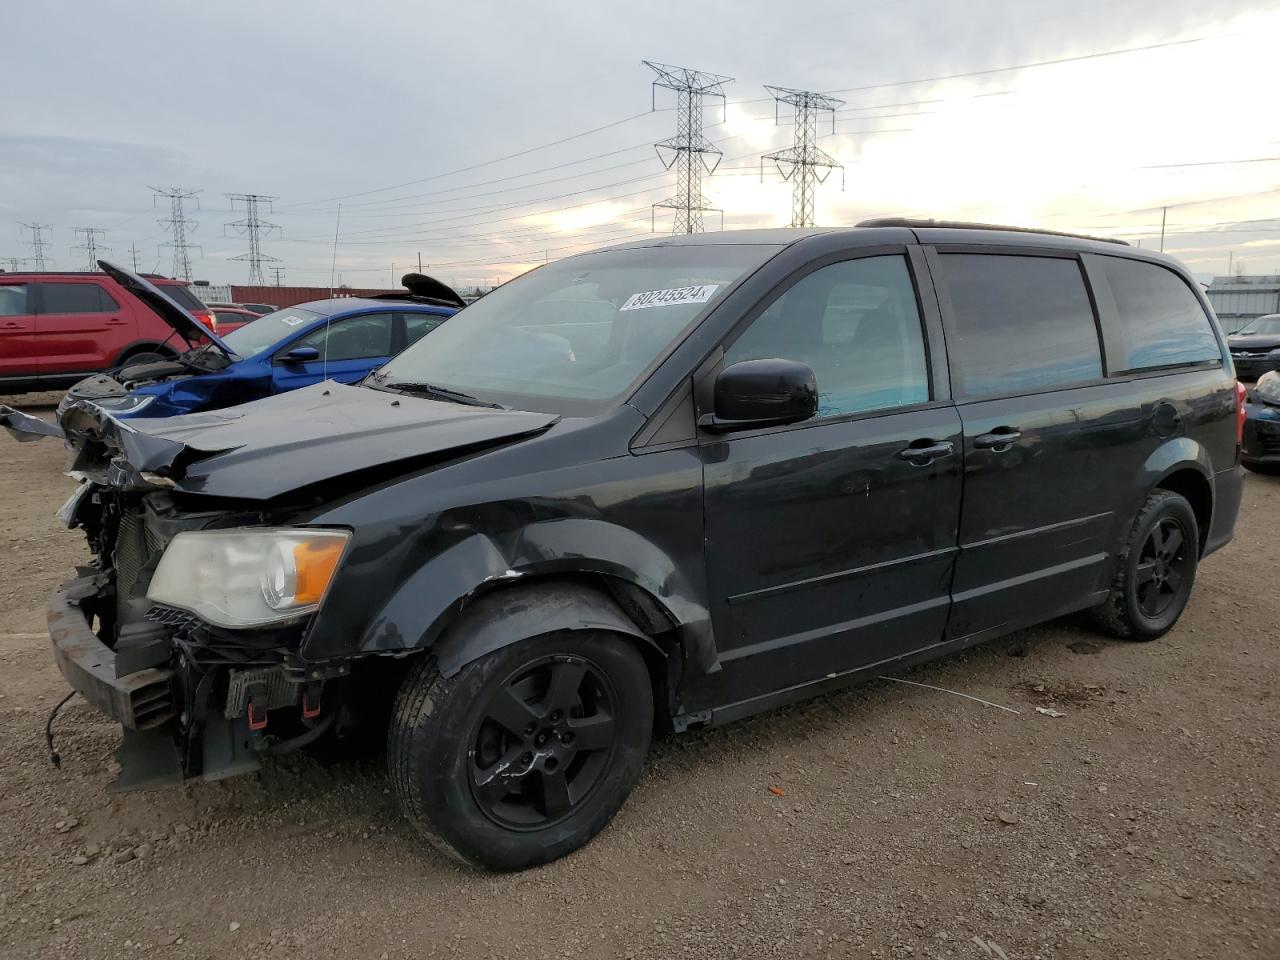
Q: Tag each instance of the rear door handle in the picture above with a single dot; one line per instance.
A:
(924, 452)
(116, 321)
(1000, 439)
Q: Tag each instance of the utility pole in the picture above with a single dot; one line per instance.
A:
(1164, 213)
(253, 226)
(690, 152)
(133, 252)
(90, 247)
(177, 226)
(1231, 255)
(38, 243)
(278, 271)
(804, 163)
(419, 261)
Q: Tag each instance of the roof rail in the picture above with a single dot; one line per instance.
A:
(962, 225)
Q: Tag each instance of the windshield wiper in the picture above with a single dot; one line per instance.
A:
(432, 391)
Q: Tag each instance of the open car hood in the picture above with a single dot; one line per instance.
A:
(270, 447)
(187, 326)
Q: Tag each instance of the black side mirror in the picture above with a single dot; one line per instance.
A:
(762, 393)
(301, 355)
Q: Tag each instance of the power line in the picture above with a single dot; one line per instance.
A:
(804, 163)
(689, 148)
(38, 243)
(176, 226)
(90, 247)
(253, 226)
(485, 163)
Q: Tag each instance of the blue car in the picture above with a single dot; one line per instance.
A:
(341, 339)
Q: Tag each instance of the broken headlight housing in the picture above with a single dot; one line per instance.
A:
(1267, 388)
(248, 577)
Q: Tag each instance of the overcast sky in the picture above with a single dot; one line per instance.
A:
(378, 103)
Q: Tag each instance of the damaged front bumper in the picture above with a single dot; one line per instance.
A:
(141, 700)
(181, 719)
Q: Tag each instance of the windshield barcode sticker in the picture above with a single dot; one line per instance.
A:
(698, 293)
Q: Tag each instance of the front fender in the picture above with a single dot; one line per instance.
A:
(424, 605)
(500, 619)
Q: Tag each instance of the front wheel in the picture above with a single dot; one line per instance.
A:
(1156, 570)
(526, 753)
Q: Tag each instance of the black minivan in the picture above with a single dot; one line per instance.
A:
(658, 486)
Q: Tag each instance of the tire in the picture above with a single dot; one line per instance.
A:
(1152, 561)
(502, 798)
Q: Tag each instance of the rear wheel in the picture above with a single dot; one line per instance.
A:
(526, 753)
(1156, 570)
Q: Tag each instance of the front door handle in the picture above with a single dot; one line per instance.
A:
(1000, 439)
(923, 452)
(116, 321)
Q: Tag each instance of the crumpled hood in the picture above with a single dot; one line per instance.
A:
(267, 448)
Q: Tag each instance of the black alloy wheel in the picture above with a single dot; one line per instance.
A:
(543, 743)
(1164, 563)
(1155, 570)
(525, 753)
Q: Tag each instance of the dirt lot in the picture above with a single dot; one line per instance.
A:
(1144, 822)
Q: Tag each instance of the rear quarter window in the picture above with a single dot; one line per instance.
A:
(1019, 324)
(1161, 322)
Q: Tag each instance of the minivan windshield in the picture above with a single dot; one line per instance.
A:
(572, 337)
(1262, 325)
(257, 335)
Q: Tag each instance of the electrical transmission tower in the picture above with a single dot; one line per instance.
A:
(690, 152)
(177, 226)
(253, 227)
(91, 247)
(804, 163)
(38, 242)
(13, 262)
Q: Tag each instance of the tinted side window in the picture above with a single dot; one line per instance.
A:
(75, 298)
(418, 325)
(355, 338)
(13, 300)
(1020, 323)
(856, 323)
(1161, 321)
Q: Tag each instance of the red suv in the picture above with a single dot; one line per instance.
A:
(57, 327)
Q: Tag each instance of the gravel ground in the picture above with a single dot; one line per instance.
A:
(886, 821)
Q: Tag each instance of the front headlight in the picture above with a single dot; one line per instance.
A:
(248, 577)
(1267, 388)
